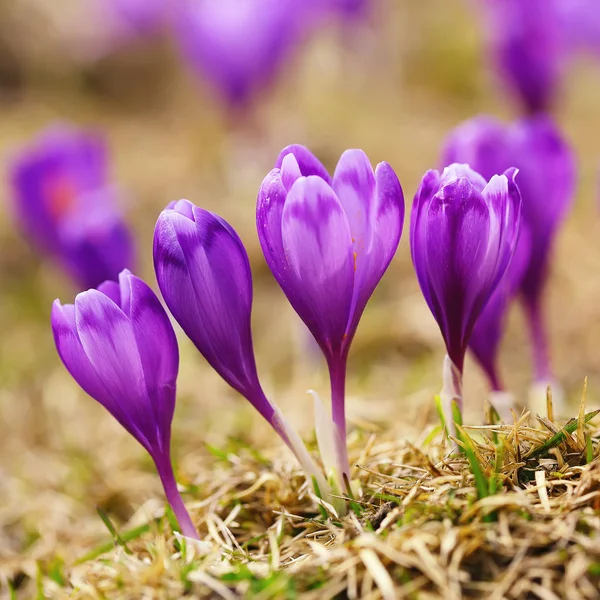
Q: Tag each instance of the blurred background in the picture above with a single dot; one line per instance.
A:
(392, 77)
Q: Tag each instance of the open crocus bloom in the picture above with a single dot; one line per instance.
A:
(463, 234)
(119, 345)
(328, 242)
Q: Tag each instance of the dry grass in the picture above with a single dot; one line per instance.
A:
(419, 526)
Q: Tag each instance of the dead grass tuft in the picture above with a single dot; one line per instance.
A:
(421, 526)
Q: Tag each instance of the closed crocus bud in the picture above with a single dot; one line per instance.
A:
(65, 206)
(546, 181)
(204, 275)
(528, 45)
(118, 344)
(463, 233)
(238, 47)
(328, 242)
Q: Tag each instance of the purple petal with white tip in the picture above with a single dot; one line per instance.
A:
(318, 246)
(308, 163)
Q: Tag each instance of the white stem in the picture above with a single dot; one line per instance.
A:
(452, 380)
(502, 403)
(310, 468)
(329, 442)
(537, 398)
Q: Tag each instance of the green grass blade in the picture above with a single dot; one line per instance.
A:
(127, 536)
(560, 436)
(481, 482)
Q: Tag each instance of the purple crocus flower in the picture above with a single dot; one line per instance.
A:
(239, 47)
(546, 181)
(463, 233)
(203, 272)
(118, 344)
(65, 206)
(204, 275)
(328, 242)
(528, 46)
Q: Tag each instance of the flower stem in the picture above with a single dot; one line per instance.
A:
(539, 341)
(337, 376)
(451, 392)
(167, 477)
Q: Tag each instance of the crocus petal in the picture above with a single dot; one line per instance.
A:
(156, 344)
(269, 211)
(204, 275)
(354, 185)
(112, 290)
(309, 164)
(504, 199)
(458, 170)
(375, 212)
(290, 171)
(108, 340)
(72, 354)
(418, 231)
(79, 366)
(456, 238)
(317, 241)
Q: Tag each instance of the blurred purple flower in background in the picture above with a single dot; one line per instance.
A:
(141, 16)
(328, 241)
(489, 328)
(66, 208)
(463, 233)
(546, 181)
(581, 22)
(119, 345)
(349, 11)
(527, 43)
(239, 47)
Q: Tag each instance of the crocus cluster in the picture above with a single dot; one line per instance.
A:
(546, 180)
(328, 241)
(463, 233)
(64, 204)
